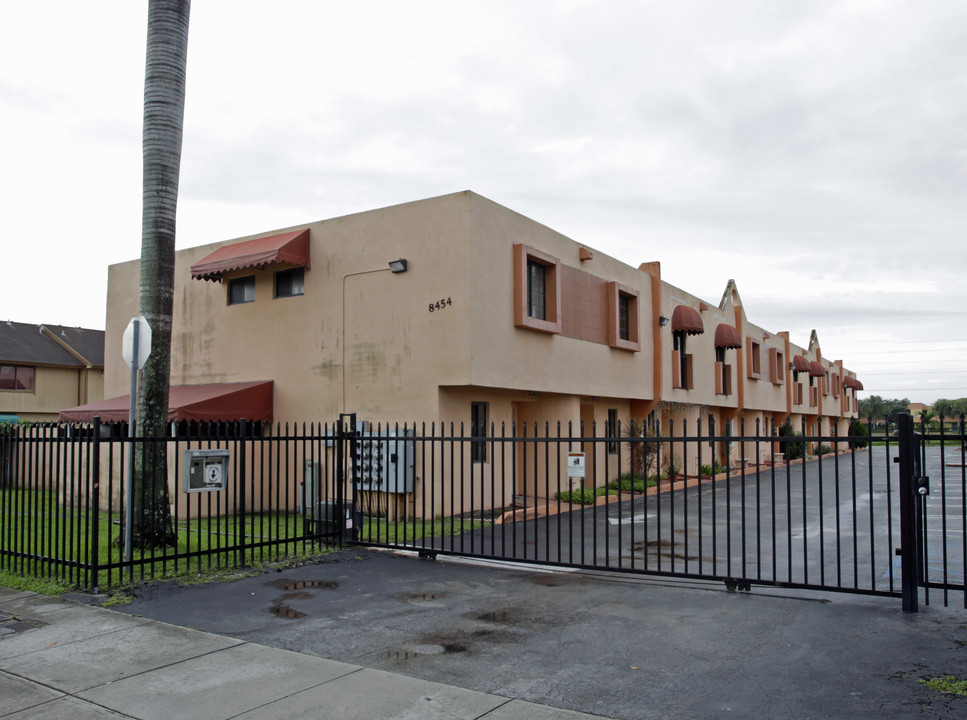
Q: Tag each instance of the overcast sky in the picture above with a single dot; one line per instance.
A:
(813, 151)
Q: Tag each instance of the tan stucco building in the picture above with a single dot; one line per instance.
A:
(46, 368)
(458, 310)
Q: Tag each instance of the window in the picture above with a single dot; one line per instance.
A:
(17, 378)
(289, 283)
(754, 349)
(241, 290)
(478, 429)
(777, 361)
(624, 333)
(723, 373)
(537, 290)
(681, 362)
(623, 317)
(612, 430)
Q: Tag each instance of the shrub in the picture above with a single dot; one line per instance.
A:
(793, 449)
(858, 430)
(580, 496)
(630, 483)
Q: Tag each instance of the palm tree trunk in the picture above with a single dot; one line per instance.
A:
(164, 108)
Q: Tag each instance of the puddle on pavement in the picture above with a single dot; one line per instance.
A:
(550, 580)
(286, 613)
(303, 584)
(496, 616)
(422, 597)
(665, 548)
(404, 655)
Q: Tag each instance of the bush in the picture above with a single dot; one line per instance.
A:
(825, 449)
(793, 449)
(630, 483)
(858, 430)
(580, 496)
(711, 470)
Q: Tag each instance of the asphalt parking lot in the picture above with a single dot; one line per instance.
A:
(614, 645)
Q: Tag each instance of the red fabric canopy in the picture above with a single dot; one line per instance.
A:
(727, 336)
(800, 363)
(290, 248)
(218, 402)
(687, 320)
(816, 369)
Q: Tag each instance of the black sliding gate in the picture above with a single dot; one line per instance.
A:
(879, 515)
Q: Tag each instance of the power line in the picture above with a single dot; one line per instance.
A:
(920, 372)
(901, 352)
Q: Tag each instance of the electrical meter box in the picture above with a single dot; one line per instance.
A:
(206, 470)
(383, 461)
(323, 514)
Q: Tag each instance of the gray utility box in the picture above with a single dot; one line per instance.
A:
(325, 515)
(206, 470)
(383, 461)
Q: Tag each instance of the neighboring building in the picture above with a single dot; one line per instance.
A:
(457, 310)
(917, 410)
(47, 368)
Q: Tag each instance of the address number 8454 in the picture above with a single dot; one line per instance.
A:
(441, 304)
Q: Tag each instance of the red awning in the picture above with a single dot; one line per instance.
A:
(800, 363)
(290, 248)
(816, 369)
(727, 336)
(687, 320)
(857, 384)
(219, 402)
(851, 382)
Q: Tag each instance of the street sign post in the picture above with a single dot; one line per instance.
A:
(135, 349)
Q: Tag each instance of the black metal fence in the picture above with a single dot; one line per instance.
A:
(65, 512)
(847, 513)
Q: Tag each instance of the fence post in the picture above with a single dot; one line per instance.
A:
(909, 560)
(95, 505)
(240, 435)
(344, 438)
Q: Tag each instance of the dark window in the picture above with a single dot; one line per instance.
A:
(478, 429)
(678, 338)
(241, 290)
(612, 430)
(624, 316)
(16, 377)
(536, 290)
(289, 283)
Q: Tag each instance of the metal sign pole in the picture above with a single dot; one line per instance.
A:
(132, 412)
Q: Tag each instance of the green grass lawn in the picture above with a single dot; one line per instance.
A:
(45, 541)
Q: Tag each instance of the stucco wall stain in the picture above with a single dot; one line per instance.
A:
(368, 359)
(330, 369)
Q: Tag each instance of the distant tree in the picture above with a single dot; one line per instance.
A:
(894, 408)
(950, 409)
(872, 407)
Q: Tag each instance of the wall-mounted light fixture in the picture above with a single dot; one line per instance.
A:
(663, 321)
(397, 266)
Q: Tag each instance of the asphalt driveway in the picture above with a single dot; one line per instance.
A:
(616, 645)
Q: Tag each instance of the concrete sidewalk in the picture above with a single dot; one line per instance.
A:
(60, 659)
